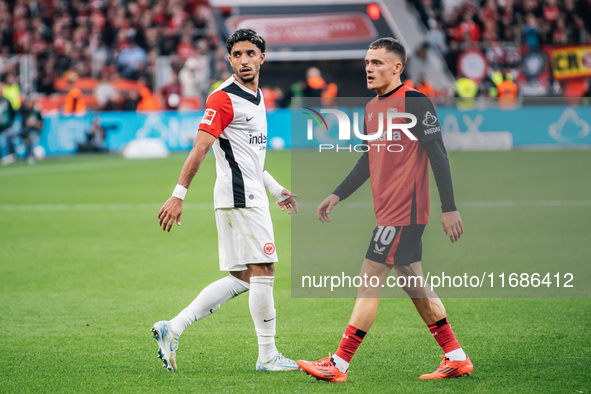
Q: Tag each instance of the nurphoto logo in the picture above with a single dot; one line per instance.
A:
(392, 131)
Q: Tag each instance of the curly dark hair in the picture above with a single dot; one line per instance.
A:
(391, 45)
(245, 35)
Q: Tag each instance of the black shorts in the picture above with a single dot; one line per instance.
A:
(396, 245)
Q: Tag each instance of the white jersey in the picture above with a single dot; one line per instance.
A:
(236, 116)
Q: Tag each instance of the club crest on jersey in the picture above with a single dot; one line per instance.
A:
(269, 248)
(208, 116)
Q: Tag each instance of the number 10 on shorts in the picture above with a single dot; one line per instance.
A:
(385, 234)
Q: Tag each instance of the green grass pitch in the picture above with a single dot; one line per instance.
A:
(86, 271)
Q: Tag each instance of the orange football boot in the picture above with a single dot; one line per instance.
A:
(323, 370)
(450, 369)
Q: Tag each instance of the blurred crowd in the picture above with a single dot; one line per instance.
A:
(104, 54)
(454, 25)
(115, 39)
(88, 51)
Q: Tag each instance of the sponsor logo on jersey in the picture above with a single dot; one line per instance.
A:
(269, 248)
(429, 120)
(396, 136)
(208, 116)
(258, 139)
(250, 118)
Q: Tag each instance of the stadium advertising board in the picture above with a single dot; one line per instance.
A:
(305, 29)
(474, 129)
(296, 31)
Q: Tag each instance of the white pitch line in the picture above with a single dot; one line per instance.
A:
(524, 203)
(67, 167)
(94, 207)
(482, 204)
(209, 206)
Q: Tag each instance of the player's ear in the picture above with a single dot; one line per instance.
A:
(262, 58)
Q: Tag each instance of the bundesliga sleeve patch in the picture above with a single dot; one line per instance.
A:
(208, 116)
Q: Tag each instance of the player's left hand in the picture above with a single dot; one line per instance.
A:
(289, 202)
(452, 225)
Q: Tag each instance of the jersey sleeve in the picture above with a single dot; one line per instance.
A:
(357, 177)
(218, 113)
(440, 166)
(427, 127)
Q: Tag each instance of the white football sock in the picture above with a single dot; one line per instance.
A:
(341, 364)
(262, 310)
(208, 301)
(456, 355)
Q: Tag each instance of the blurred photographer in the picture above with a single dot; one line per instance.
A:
(96, 137)
(7, 115)
(31, 126)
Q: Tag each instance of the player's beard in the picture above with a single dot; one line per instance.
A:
(247, 79)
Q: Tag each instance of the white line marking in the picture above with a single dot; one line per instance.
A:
(525, 203)
(480, 204)
(94, 207)
(206, 205)
(68, 167)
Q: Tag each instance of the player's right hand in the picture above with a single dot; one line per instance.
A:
(170, 212)
(288, 202)
(326, 207)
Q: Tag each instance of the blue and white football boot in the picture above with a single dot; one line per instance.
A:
(278, 363)
(168, 344)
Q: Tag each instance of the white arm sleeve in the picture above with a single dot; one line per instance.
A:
(274, 187)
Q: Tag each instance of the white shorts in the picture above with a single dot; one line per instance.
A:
(245, 236)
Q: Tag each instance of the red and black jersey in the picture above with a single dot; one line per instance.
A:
(398, 166)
